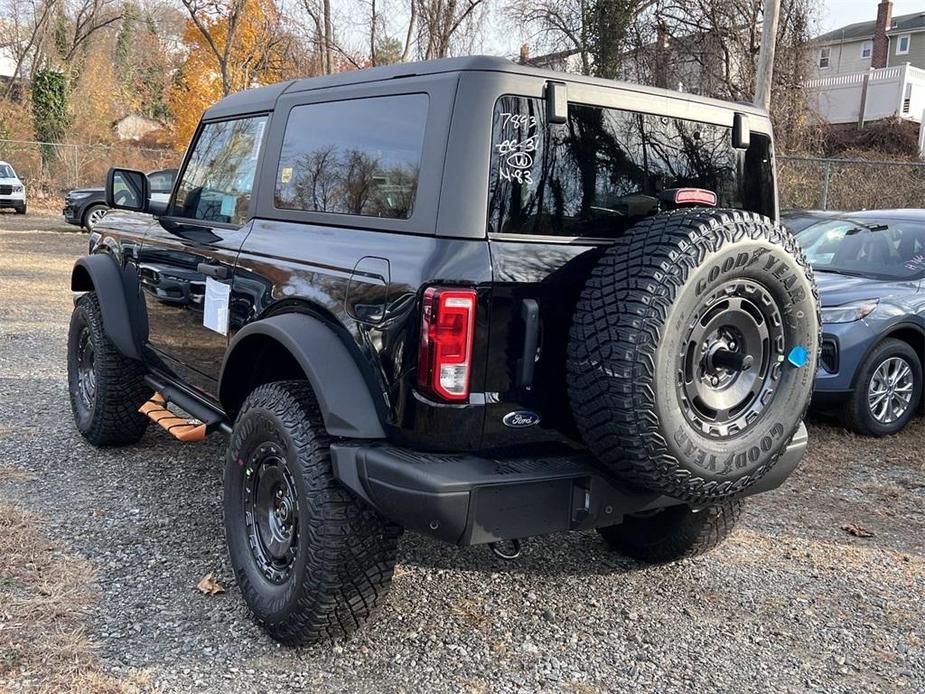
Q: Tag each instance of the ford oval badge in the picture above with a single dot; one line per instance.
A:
(521, 419)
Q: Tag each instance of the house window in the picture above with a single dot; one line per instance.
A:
(902, 44)
(866, 49)
(824, 54)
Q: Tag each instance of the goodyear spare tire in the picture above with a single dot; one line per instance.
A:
(693, 351)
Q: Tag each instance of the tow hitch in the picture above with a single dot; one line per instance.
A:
(505, 549)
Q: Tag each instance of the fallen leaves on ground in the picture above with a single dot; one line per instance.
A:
(857, 530)
(209, 586)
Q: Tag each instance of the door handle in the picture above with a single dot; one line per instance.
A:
(219, 272)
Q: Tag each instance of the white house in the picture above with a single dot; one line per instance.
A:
(871, 70)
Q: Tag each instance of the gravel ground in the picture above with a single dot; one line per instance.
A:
(790, 603)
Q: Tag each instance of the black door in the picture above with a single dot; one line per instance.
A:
(187, 260)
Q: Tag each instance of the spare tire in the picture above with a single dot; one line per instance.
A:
(693, 350)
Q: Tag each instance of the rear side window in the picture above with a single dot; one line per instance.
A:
(361, 156)
(601, 172)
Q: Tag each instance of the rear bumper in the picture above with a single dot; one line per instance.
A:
(470, 500)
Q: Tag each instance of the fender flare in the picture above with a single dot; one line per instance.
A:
(117, 293)
(343, 394)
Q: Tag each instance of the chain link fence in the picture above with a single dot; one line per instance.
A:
(50, 169)
(849, 184)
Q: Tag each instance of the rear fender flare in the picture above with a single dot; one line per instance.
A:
(343, 394)
(118, 294)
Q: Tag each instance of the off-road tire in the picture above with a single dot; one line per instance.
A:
(645, 298)
(21, 209)
(110, 417)
(856, 413)
(345, 552)
(674, 533)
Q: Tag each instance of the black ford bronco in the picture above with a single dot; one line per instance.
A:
(464, 297)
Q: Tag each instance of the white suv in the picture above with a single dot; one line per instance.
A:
(12, 190)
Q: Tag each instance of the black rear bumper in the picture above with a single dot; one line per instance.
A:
(470, 500)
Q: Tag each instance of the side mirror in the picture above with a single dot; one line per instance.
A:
(127, 189)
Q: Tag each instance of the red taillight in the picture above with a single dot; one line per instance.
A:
(447, 331)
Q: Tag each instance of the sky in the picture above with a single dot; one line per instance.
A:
(836, 13)
(839, 13)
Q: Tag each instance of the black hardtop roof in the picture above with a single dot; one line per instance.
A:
(264, 98)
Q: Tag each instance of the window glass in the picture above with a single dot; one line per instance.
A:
(902, 46)
(161, 181)
(361, 156)
(867, 48)
(603, 170)
(6, 171)
(879, 249)
(824, 54)
(219, 177)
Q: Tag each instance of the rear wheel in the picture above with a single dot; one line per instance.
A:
(106, 387)
(673, 533)
(312, 560)
(887, 392)
(692, 352)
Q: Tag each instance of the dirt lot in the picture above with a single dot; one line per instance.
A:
(100, 553)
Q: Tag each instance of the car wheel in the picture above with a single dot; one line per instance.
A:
(673, 533)
(106, 387)
(312, 560)
(887, 391)
(21, 209)
(93, 216)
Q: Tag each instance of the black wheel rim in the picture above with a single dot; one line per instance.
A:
(86, 373)
(271, 505)
(730, 361)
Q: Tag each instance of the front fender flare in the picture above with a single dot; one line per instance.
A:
(117, 293)
(343, 395)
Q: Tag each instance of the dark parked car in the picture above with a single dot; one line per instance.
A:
(870, 268)
(465, 297)
(86, 206)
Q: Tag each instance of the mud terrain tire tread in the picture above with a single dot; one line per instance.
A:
(685, 533)
(620, 313)
(120, 386)
(350, 549)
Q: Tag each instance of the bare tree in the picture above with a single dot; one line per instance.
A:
(441, 21)
(201, 12)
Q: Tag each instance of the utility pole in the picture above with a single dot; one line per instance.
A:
(771, 16)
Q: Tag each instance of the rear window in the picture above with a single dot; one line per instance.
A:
(601, 172)
(360, 157)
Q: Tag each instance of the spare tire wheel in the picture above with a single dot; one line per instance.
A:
(693, 351)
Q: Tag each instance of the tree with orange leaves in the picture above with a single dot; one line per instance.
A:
(231, 45)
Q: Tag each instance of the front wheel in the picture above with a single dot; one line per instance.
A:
(673, 533)
(21, 209)
(888, 389)
(93, 216)
(106, 387)
(312, 560)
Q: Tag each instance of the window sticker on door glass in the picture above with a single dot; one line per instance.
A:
(215, 313)
(229, 205)
(516, 147)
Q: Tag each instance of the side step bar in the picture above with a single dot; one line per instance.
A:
(205, 418)
(186, 430)
(470, 499)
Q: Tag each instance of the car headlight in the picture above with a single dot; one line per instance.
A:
(848, 313)
(78, 196)
(18, 189)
